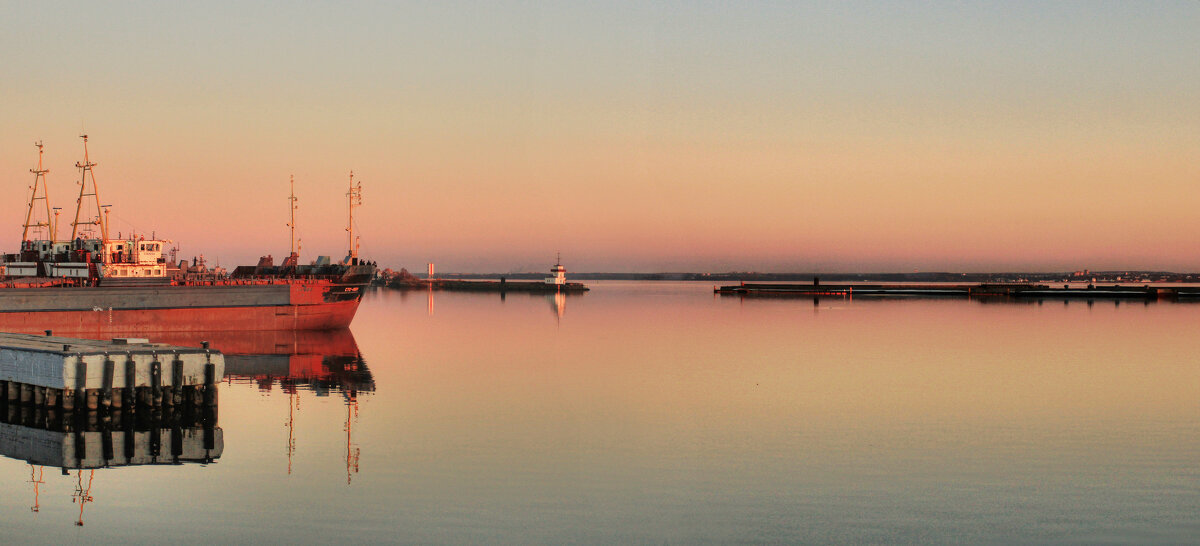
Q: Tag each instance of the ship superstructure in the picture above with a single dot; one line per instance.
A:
(87, 258)
(94, 282)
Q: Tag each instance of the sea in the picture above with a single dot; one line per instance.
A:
(662, 413)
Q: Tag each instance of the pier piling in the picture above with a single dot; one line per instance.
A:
(106, 383)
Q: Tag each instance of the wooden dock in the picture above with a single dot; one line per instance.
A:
(982, 290)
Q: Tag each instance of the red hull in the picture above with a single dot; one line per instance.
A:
(323, 316)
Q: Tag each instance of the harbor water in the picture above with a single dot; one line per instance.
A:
(658, 412)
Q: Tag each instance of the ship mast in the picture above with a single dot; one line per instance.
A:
(354, 197)
(83, 496)
(292, 224)
(352, 452)
(86, 170)
(36, 480)
(293, 407)
(39, 180)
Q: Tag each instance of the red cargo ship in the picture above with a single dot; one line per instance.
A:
(92, 282)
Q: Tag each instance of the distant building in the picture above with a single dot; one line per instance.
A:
(558, 273)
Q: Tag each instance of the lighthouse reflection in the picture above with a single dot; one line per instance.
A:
(558, 304)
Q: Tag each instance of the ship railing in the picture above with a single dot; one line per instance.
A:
(253, 281)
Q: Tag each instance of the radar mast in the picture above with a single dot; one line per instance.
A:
(86, 174)
(39, 181)
(292, 199)
(354, 197)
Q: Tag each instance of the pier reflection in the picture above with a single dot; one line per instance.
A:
(81, 444)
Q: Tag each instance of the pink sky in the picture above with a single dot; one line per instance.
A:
(868, 137)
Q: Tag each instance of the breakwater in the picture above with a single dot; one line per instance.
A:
(982, 290)
(502, 285)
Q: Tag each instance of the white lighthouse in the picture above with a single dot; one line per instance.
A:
(558, 273)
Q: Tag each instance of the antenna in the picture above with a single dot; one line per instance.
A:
(39, 181)
(354, 197)
(86, 173)
(292, 224)
(54, 228)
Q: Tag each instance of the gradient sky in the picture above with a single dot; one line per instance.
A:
(830, 136)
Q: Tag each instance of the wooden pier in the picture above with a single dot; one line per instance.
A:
(68, 374)
(982, 290)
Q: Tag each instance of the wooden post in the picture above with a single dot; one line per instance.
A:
(156, 382)
(210, 436)
(176, 442)
(80, 383)
(128, 440)
(177, 380)
(130, 391)
(155, 440)
(80, 448)
(106, 383)
(106, 443)
(210, 384)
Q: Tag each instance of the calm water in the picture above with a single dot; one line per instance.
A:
(657, 413)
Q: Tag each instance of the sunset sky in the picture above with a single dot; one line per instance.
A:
(642, 136)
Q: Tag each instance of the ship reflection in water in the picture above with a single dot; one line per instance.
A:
(319, 361)
(322, 361)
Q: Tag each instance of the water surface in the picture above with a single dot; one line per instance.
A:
(658, 413)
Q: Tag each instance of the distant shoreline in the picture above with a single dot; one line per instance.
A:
(1130, 276)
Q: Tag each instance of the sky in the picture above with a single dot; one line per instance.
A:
(640, 136)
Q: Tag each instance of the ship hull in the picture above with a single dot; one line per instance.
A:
(147, 310)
